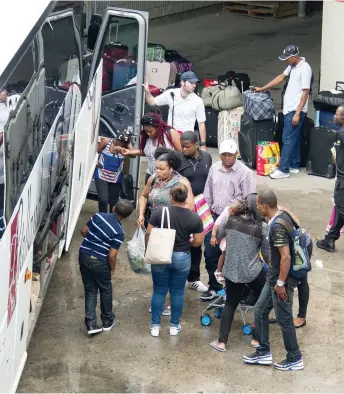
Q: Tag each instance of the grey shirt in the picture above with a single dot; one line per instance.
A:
(244, 240)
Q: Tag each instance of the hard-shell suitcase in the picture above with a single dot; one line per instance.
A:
(321, 141)
(123, 72)
(211, 126)
(229, 124)
(241, 80)
(307, 126)
(161, 74)
(252, 131)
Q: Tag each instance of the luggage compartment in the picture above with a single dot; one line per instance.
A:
(321, 141)
(252, 131)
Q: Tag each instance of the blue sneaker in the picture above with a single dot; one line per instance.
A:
(287, 365)
(260, 359)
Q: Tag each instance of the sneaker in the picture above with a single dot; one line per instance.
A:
(155, 331)
(91, 330)
(166, 311)
(108, 326)
(175, 330)
(294, 170)
(208, 295)
(198, 285)
(326, 245)
(286, 365)
(277, 174)
(255, 358)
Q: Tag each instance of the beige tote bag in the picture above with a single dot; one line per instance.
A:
(161, 242)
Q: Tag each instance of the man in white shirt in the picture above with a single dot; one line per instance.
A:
(185, 107)
(295, 106)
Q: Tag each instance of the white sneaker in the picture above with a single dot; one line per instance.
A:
(175, 330)
(166, 311)
(277, 174)
(198, 285)
(294, 170)
(155, 331)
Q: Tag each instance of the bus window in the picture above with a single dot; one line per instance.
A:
(61, 53)
(119, 52)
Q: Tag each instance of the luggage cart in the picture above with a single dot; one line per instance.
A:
(218, 304)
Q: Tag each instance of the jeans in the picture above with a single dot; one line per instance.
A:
(234, 292)
(172, 278)
(96, 275)
(303, 290)
(211, 256)
(195, 270)
(284, 315)
(334, 232)
(290, 157)
(108, 194)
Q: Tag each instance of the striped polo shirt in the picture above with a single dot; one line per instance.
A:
(104, 232)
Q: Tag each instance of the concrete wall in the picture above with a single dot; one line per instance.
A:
(156, 9)
(332, 53)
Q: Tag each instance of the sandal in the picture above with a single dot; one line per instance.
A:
(214, 346)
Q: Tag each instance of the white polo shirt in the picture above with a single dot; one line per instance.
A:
(186, 110)
(300, 78)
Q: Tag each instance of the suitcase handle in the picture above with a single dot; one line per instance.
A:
(338, 87)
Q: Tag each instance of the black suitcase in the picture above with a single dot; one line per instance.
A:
(321, 140)
(307, 126)
(211, 126)
(252, 131)
(241, 80)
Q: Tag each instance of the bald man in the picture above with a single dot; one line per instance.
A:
(328, 242)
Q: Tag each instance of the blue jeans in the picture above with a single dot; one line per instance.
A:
(284, 316)
(170, 277)
(211, 257)
(290, 157)
(96, 275)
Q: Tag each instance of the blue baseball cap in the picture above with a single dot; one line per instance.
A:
(189, 76)
(289, 51)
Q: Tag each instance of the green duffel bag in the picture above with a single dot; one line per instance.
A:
(156, 52)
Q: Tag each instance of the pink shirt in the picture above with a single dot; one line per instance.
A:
(225, 187)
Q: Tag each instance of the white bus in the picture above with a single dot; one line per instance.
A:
(62, 94)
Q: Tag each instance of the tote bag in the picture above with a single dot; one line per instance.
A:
(161, 242)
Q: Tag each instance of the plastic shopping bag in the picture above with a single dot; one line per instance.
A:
(136, 253)
(267, 157)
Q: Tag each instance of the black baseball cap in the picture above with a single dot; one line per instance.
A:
(289, 51)
(189, 76)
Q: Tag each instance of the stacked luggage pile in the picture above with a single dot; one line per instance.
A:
(223, 100)
(323, 136)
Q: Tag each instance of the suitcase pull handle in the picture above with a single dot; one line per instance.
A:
(338, 87)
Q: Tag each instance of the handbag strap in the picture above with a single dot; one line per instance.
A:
(165, 209)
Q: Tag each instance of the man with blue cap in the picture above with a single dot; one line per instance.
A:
(185, 106)
(295, 105)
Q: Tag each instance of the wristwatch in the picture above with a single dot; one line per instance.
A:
(280, 283)
(202, 143)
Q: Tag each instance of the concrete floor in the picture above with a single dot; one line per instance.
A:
(63, 359)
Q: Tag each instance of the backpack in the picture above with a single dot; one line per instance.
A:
(284, 89)
(301, 249)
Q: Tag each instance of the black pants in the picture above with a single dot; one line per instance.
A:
(334, 232)
(195, 270)
(234, 292)
(2, 195)
(211, 257)
(96, 275)
(108, 194)
(303, 290)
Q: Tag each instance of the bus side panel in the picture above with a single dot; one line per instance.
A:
(85, 142)
(21, 320)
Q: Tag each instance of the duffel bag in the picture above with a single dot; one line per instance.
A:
(328, 101)
(259, 105)
(222, 97)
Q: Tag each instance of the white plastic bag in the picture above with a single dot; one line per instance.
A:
(136, 253)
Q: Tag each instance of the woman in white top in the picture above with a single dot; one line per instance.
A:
(155, 134)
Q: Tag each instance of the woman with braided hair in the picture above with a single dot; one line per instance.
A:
(155, 134)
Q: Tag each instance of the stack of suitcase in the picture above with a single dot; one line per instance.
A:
(225, 124)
